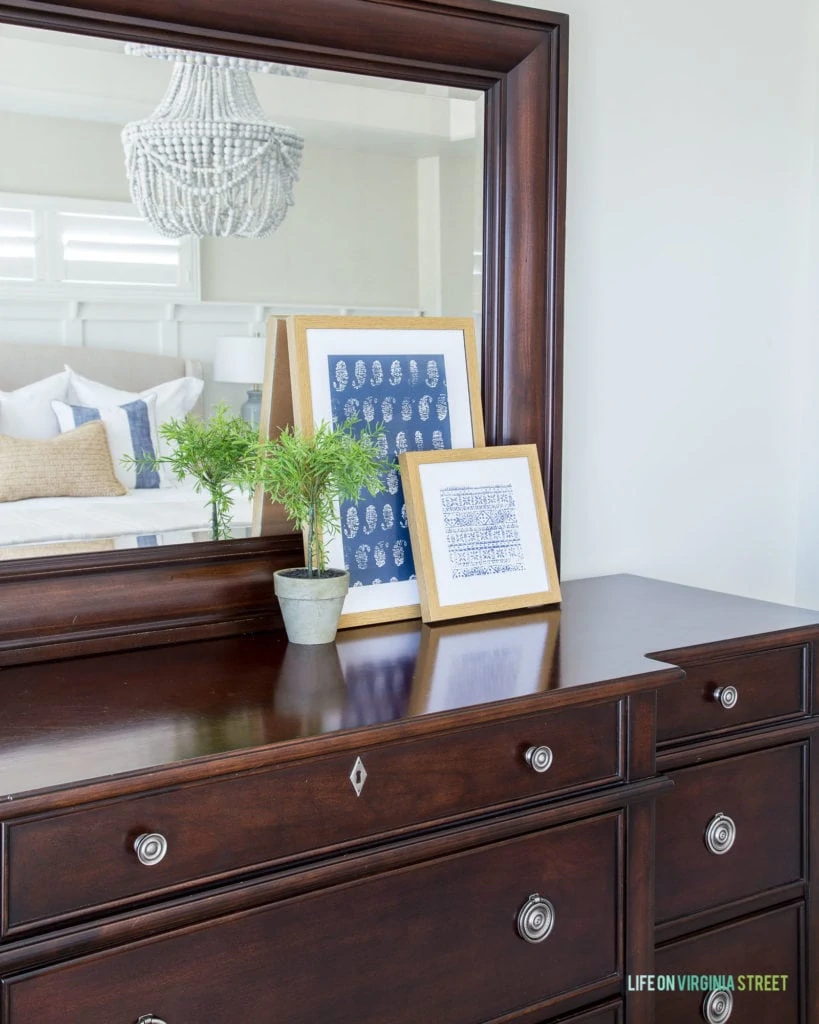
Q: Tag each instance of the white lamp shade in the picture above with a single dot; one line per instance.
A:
(239, 360)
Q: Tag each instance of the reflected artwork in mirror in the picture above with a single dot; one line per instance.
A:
(121, 301)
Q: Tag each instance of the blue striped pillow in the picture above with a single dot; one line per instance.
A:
(131, 430)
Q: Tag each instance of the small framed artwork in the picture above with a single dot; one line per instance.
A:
(480, 662)
(418, 378)
(480, 532)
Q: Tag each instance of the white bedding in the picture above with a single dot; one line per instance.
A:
(164, 515)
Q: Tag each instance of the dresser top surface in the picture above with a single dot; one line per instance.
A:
(68, 722)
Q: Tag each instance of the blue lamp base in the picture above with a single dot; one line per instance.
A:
(251, 411)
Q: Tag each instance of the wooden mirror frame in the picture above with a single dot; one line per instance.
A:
(59, 606)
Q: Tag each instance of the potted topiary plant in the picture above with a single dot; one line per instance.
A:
(308, 475)
(214, 453)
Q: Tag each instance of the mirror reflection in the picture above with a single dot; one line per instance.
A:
(123, 308)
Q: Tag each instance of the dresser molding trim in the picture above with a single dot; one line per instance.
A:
(698, 654)
(580, 999)
(641, 736)
(639, 910)
(756, 738)
(670, 931)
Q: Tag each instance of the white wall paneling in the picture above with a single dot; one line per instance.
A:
(188, 330)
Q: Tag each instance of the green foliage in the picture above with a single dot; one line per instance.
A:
(308, 474)
(214, 453)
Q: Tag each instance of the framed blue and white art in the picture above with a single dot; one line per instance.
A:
(418, 377)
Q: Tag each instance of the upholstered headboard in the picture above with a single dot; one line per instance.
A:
(130, 371)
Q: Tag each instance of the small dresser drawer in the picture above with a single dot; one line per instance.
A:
(722, 695)
(441, 942)
(750, 971)
(63, 864)
(729, 829)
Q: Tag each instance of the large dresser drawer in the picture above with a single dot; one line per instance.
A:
(757, 799)
(68, 863)
(438, 942)
(751, 967)
(721, 695)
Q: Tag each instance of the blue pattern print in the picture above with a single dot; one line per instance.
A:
(482, 530)
(408, 395)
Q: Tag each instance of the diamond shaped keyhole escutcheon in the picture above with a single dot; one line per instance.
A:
(358, 776)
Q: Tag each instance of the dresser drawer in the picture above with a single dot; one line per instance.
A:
(438, 942)
(721, 695)
(743, 955)
(761, 796)
(68, 863)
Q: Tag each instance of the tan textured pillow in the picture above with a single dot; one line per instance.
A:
(76, 464)
(72, 547)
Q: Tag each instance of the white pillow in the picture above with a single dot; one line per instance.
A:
(131, 430)
(27, 411)
(174, 398)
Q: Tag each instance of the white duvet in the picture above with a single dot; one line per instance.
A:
(145, 516)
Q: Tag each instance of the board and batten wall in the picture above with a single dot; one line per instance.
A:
(691, 358)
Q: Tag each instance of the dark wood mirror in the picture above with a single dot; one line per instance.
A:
(518, 58)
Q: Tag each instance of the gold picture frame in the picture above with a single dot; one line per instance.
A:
(454, 499)
(372, 365)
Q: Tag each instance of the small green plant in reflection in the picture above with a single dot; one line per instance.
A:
(214, 453)
(308, 474)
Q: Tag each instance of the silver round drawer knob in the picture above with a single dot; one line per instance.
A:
(150, 848)
(148, 1018)
(720, 833)
(536, 918)
(718, 1006)
(539, 759)
(727, 696)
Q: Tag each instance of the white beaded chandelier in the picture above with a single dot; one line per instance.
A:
(209, 161)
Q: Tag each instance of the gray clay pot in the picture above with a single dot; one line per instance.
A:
(311, 607)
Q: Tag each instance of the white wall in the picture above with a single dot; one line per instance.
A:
(60, 157)
(806, 446)
(460, 196)
(350, 239)
(689, 189)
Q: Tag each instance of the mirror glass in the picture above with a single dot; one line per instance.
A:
(386, 220)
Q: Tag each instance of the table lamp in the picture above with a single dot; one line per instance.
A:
(241, 361)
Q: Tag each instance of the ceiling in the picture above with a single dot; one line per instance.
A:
(56, 74)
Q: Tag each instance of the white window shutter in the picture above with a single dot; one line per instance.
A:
(18, 245)
(88, 249)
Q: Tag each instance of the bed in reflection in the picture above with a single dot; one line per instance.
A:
(67, 416)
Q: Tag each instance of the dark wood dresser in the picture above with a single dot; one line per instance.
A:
(421, 825)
